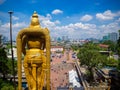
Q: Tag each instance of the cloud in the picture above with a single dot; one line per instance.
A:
(86, 18)
(47, 17)
(111, 27)
(45, 21)
(81, 26)
(107, 15)
(118, 20)
(73, 29)
(2, 1)
(4, 28)
(15, 18)
(57, 11)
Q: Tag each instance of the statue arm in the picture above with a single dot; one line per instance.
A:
(24, 40)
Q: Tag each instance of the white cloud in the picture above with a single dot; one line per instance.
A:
(72, 29)
(82, 26)
(107, 15)
(47, 17)
(86, 18)
(118, 20)
(15, 18)
(20, 25)
(2, 1)
(5, 28)
(47, 23)
(57, 11)
(76, 30)
(111, 27)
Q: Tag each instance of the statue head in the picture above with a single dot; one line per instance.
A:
(35, 20)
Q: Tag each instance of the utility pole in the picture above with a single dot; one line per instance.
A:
(11, 12)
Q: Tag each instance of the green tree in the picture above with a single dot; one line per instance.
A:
(89, 55)
(75, 47)
(4, 70)
(6, 64)
(118, 45)
(118, 51)
(112, 45)
(6, 85)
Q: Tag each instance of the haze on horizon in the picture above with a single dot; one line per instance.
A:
(74, 18)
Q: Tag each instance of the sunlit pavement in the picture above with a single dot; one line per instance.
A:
(60, 66)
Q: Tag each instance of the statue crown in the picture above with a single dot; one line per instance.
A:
(35, 20)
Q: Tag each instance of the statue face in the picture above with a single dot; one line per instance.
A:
(34, 21)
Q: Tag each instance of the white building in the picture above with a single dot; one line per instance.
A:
(57, 48)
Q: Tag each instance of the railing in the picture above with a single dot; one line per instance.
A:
(85, 83)
(80, 75)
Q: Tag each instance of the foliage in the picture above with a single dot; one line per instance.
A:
(74, 47)
(112, 45)
(118, 51)
(112, 62)
(10, 66)
(89, 55)
(6, 85)
(5, 70)
(118, 64)
(3, 62)
(6, 64)
(118, 45)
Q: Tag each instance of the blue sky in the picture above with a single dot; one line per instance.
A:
(78, 19)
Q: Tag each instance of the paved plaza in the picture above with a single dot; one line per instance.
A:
(60, 66)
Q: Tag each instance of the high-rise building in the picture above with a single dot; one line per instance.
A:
(113, 36)
(0, 39)
(65, 38)
(105, 38)
(119, 33)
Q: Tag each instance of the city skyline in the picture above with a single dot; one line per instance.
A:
(74, 18)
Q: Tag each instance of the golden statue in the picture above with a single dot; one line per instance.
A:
(34, 43)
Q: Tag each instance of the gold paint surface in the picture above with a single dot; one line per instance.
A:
(34, 43)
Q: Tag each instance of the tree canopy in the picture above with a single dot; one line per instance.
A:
(89, 55)
(5, 70)
(118, 51)
(112, 45)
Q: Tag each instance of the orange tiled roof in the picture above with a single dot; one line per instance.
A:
(103, 45)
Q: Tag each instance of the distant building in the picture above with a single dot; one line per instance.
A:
(113, 36)
(0, 40)
(65, 38)
(119, 33)
(14, 53)
(103, 46)
(57, 49)
(105, 38)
